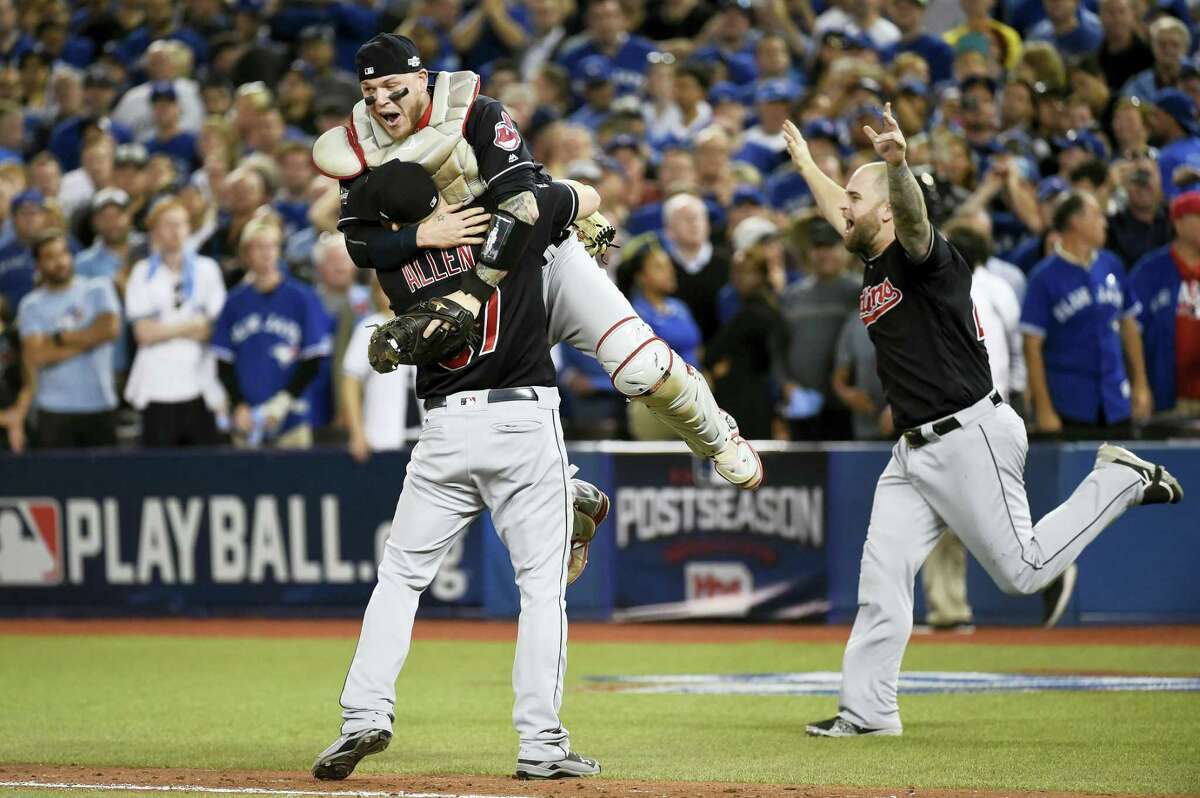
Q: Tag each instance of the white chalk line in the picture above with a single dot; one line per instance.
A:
(47, 785)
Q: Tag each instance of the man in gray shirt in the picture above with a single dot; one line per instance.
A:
(814, 309)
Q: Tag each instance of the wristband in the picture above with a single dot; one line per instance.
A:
(476, 287)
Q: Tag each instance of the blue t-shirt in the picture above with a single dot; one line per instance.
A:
(674, 324)
(100, 261)
(1156, 281)
(488, 47)
(182, 149)
(764, 152)
(66, 140)
(1077, 312)
(16, 272)
(628, 65)
(1084, 40)
(935, 51)
(740, 66)
(788, 192)
(83, 383)
(264, 336)
(294, 214)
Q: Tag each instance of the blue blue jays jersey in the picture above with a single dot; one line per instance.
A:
(266, 335)
(628, 65)
(1077, 313)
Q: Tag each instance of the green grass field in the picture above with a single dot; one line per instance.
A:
(225, 703)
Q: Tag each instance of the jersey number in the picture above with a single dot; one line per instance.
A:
(978, 326)
(491, 336)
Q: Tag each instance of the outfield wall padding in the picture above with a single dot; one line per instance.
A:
(225, 532)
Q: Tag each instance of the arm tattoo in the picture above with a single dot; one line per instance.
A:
(908, 211)
(489, 275)
(522, 206)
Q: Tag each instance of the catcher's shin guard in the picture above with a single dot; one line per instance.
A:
(644, 368)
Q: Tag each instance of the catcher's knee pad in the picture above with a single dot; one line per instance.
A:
(636, 359)
(644, 368)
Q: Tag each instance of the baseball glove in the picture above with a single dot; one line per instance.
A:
(581, 540)
(596, 234)
(401, 341)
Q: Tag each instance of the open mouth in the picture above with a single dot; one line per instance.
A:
(849, 225)
(390, 117)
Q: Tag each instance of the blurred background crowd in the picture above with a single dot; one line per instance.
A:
(160, 214)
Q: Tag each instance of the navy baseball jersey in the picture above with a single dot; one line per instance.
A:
(928, 341)
(499, 147)
(264, 336)
(1076, 312)
(513, 351)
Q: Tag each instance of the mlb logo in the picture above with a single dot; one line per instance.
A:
(31, 551)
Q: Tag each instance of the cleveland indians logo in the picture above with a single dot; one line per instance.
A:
(507, 137)
(876, 300)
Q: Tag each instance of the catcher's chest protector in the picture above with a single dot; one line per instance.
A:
(439, 146)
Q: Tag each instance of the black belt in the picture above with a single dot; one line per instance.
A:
(493, 396)
(916, 440)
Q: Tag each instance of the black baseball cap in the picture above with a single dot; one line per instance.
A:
(387, 54)
(398, 192)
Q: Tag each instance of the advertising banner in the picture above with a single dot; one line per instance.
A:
(689, 545)
(206, 530)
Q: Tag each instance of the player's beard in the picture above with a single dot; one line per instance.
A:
(860, 240)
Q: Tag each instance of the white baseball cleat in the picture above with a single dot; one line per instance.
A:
(738, 463)
(1158, 486)
(572, 766)
(840, 727)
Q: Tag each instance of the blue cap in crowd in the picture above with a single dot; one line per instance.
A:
(1051, 187)
(623, 141)
(1179, 106)
(821, 129)
(674, 143)
(979, 80)
(845, 40)
(30, 196)
(748, 195)
(913, 86)
(860, 111)
(776, 90)
(305, 69)
(724, 92)
(595, 69)
(163, 90)
(1084, 139)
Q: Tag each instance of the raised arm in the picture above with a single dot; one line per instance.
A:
(828, 194)
(913, 230)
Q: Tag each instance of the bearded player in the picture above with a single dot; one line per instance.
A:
(470, 146)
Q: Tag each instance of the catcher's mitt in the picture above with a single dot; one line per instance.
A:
(401, 341)
(596, 234)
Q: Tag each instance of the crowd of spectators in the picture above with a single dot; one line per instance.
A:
(170, 272)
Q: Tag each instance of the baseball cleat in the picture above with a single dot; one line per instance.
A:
(338, 760)
(738, 462)
(1057, 596)
(570, 767)
(1159, 487)
(840, 727)
(591, 508)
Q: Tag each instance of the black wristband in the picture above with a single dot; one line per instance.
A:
(476, 287)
